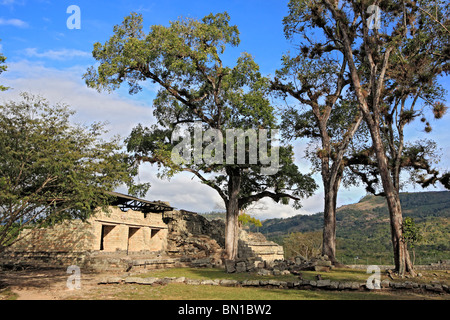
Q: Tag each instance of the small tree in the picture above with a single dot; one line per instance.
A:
(246, 219)
(50, 169)
(412, 235)
(307, 244)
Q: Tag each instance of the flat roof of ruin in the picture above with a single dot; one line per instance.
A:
(125, 201)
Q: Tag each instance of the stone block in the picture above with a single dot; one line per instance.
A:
(334, 285)
(263, 282)
(304, 282)
(264, 272)
(354, 285)
(192, 281)
(275, 283)
(229, 283)
(215, 282)
(253, 283)
(110, 280)
(385, 284)
(179, 280)
(322, 268)
(323, 283)
(132, 279)
(230, 266)
(437, 288)
(241, 267)
(408, 285)
(148, 281)
(399, 285)
(323, 263)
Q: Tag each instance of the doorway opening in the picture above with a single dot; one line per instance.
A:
(104, 239)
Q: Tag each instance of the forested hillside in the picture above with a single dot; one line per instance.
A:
(363, 234)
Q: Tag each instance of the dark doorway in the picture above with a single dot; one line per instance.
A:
(105, 230)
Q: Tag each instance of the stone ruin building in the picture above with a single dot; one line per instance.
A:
(135, 234)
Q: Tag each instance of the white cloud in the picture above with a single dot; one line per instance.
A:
(9, 2)
(13, 22)
(66, 86)
(63, 54)
(183, 191)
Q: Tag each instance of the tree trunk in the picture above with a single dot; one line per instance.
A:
(372, 118)
(232, 230)
(331, 183)
(231, 226)
(401, 256)
(329, 224)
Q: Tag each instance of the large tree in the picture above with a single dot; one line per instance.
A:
(322, 113)
(207, 97)
(51, 169)
(390, 47)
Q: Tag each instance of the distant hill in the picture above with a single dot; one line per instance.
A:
(214, 215)
(363, 228)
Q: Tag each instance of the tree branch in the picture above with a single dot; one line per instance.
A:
(274, 195)
(208, 182)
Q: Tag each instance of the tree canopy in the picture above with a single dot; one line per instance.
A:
(197, 89)
(51, 169)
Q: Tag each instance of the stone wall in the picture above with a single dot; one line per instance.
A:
(75, 241)
(130, 231)
(117, 239)
(300, 284)
(62, 244)
(194, 239)
(256, 245)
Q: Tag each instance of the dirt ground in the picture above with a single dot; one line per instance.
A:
(51, 284)
(47, 284)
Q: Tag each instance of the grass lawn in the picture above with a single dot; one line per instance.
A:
(201, 292)
(176, 291)
(181, 291)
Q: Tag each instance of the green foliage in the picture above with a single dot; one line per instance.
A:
(246, 220)
(363, 228)
(307, 245)
(412, 233)
(184, 58)
(52, 170)
(2, 69)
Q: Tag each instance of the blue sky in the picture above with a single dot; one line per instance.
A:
(45, 57)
